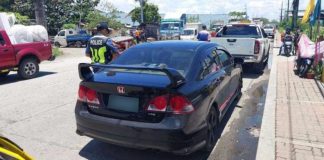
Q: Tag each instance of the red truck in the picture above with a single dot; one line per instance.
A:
(24, 58)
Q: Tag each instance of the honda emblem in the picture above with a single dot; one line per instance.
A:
(121, 89)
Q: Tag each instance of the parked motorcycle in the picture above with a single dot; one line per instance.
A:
(303, 65)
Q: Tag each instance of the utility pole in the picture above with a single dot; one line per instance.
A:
(319, 19)
(295, 14)
(281, 11)
(142, 10)
(288, 7)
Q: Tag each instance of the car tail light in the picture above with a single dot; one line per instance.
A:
(170, 103)
(158, 104)
(257, 47)
(180, 105)
(88, 95)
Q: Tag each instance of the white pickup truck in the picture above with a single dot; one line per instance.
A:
(247, 41)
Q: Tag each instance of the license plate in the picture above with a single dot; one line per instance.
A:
(121, 103)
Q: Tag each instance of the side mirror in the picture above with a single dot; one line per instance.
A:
(238, 60)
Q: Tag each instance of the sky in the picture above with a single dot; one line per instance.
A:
(174, 8)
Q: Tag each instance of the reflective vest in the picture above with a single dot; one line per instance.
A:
(100, 52)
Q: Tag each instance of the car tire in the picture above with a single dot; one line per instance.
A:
(57, 44)
(78, 44)
(212, 125)
(28, 68)
(4, 74)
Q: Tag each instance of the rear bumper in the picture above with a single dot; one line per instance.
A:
(163, 136)
(250, 58)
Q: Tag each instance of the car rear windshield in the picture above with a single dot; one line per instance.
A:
(241, 31)
(268, 27)
(176, 58)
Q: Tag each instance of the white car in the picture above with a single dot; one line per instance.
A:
(247, 41)
(269, 30)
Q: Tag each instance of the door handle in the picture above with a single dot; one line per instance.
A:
(5, 50)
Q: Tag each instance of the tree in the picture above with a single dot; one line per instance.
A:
(20, 19)
(24, 7)
(151, 14)
(264, 20)
(5, 5)
(237, 16)
(95, 17)
(40, 12)
(59, 13)
(108, 8)
(84, 7)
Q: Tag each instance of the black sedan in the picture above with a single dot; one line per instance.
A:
(168, 96)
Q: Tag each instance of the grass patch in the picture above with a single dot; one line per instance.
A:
(56, 52)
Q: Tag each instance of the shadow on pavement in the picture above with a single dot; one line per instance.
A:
(249, 72)
(12, 78)
(97, 150)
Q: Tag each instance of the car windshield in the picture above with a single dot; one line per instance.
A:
(241, 31)
(171, 26)
(188, 32)
(176, 58)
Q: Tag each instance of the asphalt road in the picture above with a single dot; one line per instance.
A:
(38, 114)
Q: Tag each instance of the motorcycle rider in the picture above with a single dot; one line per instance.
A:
(100, 48)
(283, 36)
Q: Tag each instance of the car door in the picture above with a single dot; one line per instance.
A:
(7, 56)
(213, 78)
(266, 42)
(62, 38)
(227, 62)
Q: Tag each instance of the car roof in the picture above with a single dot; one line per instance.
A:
(194, 45)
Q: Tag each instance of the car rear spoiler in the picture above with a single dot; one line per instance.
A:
(85, 72)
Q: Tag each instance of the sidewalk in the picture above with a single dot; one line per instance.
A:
(293, 120)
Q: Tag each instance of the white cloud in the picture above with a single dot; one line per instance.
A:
(174, 8)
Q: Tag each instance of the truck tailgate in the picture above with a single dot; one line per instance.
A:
(237, 46)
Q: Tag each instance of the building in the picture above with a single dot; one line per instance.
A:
(207, 19)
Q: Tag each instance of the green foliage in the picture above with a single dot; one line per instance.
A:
(264, 20)
(69, 26)
(237, 16)
(56, 52)
(83, 8)
(24, 7)
(95, 17)
(151, 14)
(319, 70)
(193, 19)
(5, 5)
(21, 19)
(274, 22)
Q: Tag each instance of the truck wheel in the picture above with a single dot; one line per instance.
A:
(78, 44)
(4, 74)
(57, 44)
(28, 68)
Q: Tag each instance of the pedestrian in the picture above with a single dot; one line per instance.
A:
(204, 35)
(100, 47)
(138, 35)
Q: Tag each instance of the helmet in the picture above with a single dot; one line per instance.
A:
(102, 25)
